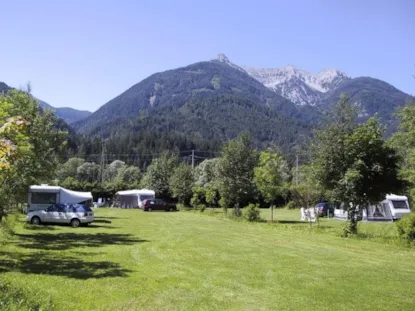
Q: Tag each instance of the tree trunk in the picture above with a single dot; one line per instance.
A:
(351, 226)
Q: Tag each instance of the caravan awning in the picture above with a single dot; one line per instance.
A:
(73, 197)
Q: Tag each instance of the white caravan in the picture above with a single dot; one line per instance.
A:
(134, 198)
(392, 208)
(43, 196)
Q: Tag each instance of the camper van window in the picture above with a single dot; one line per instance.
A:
(43, 198)
(400, 204)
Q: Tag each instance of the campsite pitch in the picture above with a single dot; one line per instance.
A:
(132, 260)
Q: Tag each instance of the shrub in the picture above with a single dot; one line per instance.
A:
(252, 212)
(291, 205)
(406, 227)
(198, 197)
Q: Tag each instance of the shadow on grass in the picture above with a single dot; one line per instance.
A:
(292, 222)
(50, 264)
(102, 221)
(64, 241)
(38, 228)
(108, 217)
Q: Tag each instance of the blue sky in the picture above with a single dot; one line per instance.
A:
(83, 53)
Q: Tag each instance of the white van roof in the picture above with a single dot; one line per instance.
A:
(136, 191)
(396, 197)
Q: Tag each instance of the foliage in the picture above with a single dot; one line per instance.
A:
(199, 196)
(305, 191)
(406, 227)
(207, 172)
(159, 173)
(181, 183)
(291, 205)
(353, 162)
(404, 142)
(251, 212)
(30, 146)
(271, 175)
(236, 171)
(212, 194)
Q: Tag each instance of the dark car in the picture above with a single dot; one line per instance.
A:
(323, 208)
(158, 205)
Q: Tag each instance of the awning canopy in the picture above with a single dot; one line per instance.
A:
(73, 197)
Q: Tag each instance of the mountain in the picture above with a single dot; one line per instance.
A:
(69, 115)
(323, 90)
(371, 96)
(297, 85)
(210, 100)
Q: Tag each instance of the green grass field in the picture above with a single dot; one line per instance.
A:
(132, 260)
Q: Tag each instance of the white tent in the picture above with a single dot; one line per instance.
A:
(133, 198)
(393, 207)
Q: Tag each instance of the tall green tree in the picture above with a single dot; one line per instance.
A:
(404, 142)
(159, 173)
(181, 183)
(353, 162)
(236, 172)
(37, 147)
(271, 176)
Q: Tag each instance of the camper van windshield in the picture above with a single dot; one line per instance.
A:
(400, 204)
(144, 197)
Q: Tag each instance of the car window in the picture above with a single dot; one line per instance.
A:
(53, 208)
(61, 208)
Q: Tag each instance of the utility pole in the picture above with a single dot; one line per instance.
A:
(296, 170)
(102, 162)
(193, 158)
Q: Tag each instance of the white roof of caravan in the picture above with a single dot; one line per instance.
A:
(66, 195)
(45, 187)
(396, 197)
(136, 191)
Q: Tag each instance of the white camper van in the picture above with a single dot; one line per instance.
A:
(134, 198)
(392, 208)
(43, 196)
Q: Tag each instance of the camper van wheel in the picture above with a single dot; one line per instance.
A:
(171, 209)
(35, 221)
(149, 209)
(75, 223)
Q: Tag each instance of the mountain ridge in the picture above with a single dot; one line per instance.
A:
(68, 114)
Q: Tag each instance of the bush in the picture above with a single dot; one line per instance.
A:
(7, 226)
(291, 205)
(406, 227)
(251, 212)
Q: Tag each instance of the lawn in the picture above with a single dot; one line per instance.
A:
(132, 260)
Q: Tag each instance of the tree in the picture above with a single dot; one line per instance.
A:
(111, 171)
(236, 172)
(206, 172)
(70, 168)
(88, 172)
(32, 146)
(305, 190)
(353, 162)
(181, 183)
(159, 173)
(404, 142)
(129, 175)
(271, 176)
